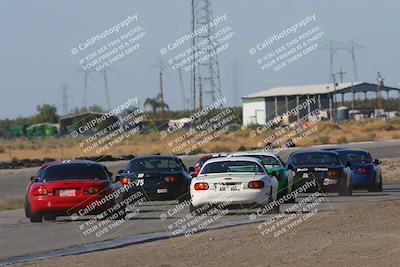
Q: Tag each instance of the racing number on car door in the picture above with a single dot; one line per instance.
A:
(138, 182)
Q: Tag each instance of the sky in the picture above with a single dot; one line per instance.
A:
(37, 37)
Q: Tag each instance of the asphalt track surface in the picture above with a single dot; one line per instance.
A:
(22, 240)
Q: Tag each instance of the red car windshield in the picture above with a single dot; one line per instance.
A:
(74, 171)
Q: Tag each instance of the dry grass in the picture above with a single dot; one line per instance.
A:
(68, 147)
(8, 203)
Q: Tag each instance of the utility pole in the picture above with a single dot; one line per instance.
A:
(200, 95)
(341, 73)
(193, 73)
(64, 99)
(235, 83)
(334, 92)
(162, 93)
(379, 84)
(104, 72)
(182, 89)
(160, 65)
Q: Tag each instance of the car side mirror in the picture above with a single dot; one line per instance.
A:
(191, 169)
(33, 178)
(290, 167)
(377, 161)
(348, 164)
(121, 171)
(193, 175)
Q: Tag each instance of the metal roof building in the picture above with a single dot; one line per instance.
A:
(258, 108)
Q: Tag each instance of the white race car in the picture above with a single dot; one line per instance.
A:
(275, 167)
(236, 182)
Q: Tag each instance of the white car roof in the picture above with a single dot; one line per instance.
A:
(253, 152)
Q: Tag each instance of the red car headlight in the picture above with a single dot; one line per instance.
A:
(334, 173)
(92, 190)
(40, 191)
(200, 186)
(256, 184)
(171, 179)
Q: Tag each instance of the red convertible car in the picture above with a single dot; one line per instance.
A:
(67, 187)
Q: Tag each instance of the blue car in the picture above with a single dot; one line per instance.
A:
(366, 172)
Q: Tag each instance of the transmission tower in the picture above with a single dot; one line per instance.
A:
(351, 47)
(206, 74)
(103, 72)
(85, 86)
(333, 47)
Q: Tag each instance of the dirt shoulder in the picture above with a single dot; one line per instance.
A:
(391, 170)
(362, 234)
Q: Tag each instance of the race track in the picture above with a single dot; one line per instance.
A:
(21, 238)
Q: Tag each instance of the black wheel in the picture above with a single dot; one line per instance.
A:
(192, 208)
(184, 197)
(27, 208)
(276, 208)
(289, 199)
(346, 189)
(50, 217)
(377, 187)
(35, 217)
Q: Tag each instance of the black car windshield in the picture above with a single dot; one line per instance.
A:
(155, 164)
(232, 166)
(74, 171)
(315, 158)
(355, 157)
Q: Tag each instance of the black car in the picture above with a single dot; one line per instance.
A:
(157, 177)
(325, 167)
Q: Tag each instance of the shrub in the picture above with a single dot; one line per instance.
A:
(219, 148)
(341, 140)
(323, 139)
(371, 136)
(242, 148)
(396, 136)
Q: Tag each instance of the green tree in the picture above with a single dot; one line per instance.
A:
(45, 113)
(155, 104)
(94, 108)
